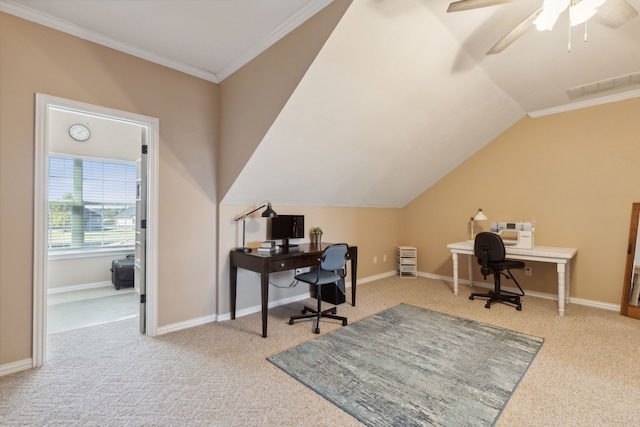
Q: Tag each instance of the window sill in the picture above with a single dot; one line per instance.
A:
(89, 253)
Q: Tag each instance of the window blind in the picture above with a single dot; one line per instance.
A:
(92, 203)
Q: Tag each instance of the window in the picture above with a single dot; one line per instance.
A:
(92, 203)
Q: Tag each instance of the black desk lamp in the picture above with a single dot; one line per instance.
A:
(268, 213)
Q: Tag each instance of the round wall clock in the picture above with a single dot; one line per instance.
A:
(79, 132)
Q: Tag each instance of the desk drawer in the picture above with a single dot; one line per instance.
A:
(282, 265)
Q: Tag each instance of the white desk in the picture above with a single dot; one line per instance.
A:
(560, 256)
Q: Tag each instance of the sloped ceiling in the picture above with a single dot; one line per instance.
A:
(378, 117)
(400, 94)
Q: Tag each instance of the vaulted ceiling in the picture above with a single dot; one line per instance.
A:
(401, 93)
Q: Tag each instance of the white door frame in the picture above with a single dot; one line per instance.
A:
(40, 252)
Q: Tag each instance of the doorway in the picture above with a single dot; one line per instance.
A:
(145, 205)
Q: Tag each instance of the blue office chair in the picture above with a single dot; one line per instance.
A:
(489, 248)
(331, 268)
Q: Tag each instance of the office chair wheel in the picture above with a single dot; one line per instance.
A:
(487, 305)
(291, 321)
(334, 311)
(316, 330)
(471, 297)
(519, 308)
(344, 323)
(304, 311)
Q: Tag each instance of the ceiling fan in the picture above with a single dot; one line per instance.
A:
(610, 13)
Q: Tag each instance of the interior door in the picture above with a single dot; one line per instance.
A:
(141, 231)
(630, 305)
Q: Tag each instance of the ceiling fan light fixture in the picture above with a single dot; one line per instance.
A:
(551, 10)
(582, 10)
(615, 14)
(579, 12)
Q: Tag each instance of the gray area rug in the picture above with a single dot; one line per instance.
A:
(410, 366)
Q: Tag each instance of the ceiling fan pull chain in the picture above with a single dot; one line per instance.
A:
(569, 37)
(585, 31)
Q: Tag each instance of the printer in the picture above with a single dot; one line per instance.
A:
(515, 234)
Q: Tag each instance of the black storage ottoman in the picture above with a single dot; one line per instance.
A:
(122, 272)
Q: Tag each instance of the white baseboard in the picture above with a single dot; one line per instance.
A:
(272, 304)
(376, 277)
(595, 304)
(82, 287)
(554, 297)
(13, 367)
(186, 324)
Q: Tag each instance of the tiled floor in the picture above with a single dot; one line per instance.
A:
(80, 309)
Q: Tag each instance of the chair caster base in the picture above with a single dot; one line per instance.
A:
(314, 314)
(493, 297)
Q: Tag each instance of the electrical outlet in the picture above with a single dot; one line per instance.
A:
(375, 259)
(528, 271)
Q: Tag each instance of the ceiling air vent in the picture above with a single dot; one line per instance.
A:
(612, 84)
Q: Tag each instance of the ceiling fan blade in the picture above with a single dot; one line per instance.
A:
(458, 6)
(515, 33)
(614, 13)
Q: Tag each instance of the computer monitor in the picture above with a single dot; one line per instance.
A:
(285, 227)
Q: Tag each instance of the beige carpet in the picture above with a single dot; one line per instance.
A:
(586, 373)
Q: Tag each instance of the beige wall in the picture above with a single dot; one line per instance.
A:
(575, 173)
(374, 230)
(35, 59)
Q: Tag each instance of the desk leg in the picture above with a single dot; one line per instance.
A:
(233, 276)
(354, 268)
(471, 270)
(561, 288)
(264, 284)
(454, 256)
(567, 283)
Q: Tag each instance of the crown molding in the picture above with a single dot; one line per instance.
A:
(296, 20)
(86, 34)
(584, 104)
(309, 10)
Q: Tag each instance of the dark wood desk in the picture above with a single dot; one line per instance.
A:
(305, 255)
